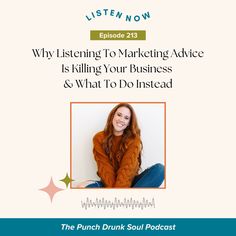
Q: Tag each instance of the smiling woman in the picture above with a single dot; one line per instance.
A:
(117, 152)
(121, 120)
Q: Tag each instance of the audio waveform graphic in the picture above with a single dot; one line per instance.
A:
(117, 203)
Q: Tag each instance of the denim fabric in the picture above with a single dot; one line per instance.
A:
(150, 178)
(96, 184)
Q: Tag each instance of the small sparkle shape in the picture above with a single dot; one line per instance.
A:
(67, 180)
(51, 189)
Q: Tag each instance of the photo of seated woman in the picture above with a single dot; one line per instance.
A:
(118, 148)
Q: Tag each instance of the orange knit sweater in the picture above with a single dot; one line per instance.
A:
(117, 173)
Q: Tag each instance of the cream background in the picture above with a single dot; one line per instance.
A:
(34, 122)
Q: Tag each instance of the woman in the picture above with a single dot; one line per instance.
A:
(117, 151)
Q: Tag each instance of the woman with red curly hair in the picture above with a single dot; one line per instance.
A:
(117, 151)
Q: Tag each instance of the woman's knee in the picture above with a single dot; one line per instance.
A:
(151, 177)
(158, 168)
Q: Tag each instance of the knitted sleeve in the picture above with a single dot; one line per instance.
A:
(129, 165)
(105, 169)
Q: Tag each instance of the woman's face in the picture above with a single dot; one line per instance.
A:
(121, 120)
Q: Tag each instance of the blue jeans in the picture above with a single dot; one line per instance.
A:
(150, 178)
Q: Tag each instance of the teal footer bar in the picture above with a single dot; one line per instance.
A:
(121, 226)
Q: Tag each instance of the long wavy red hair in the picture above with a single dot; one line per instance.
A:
(131, 132)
